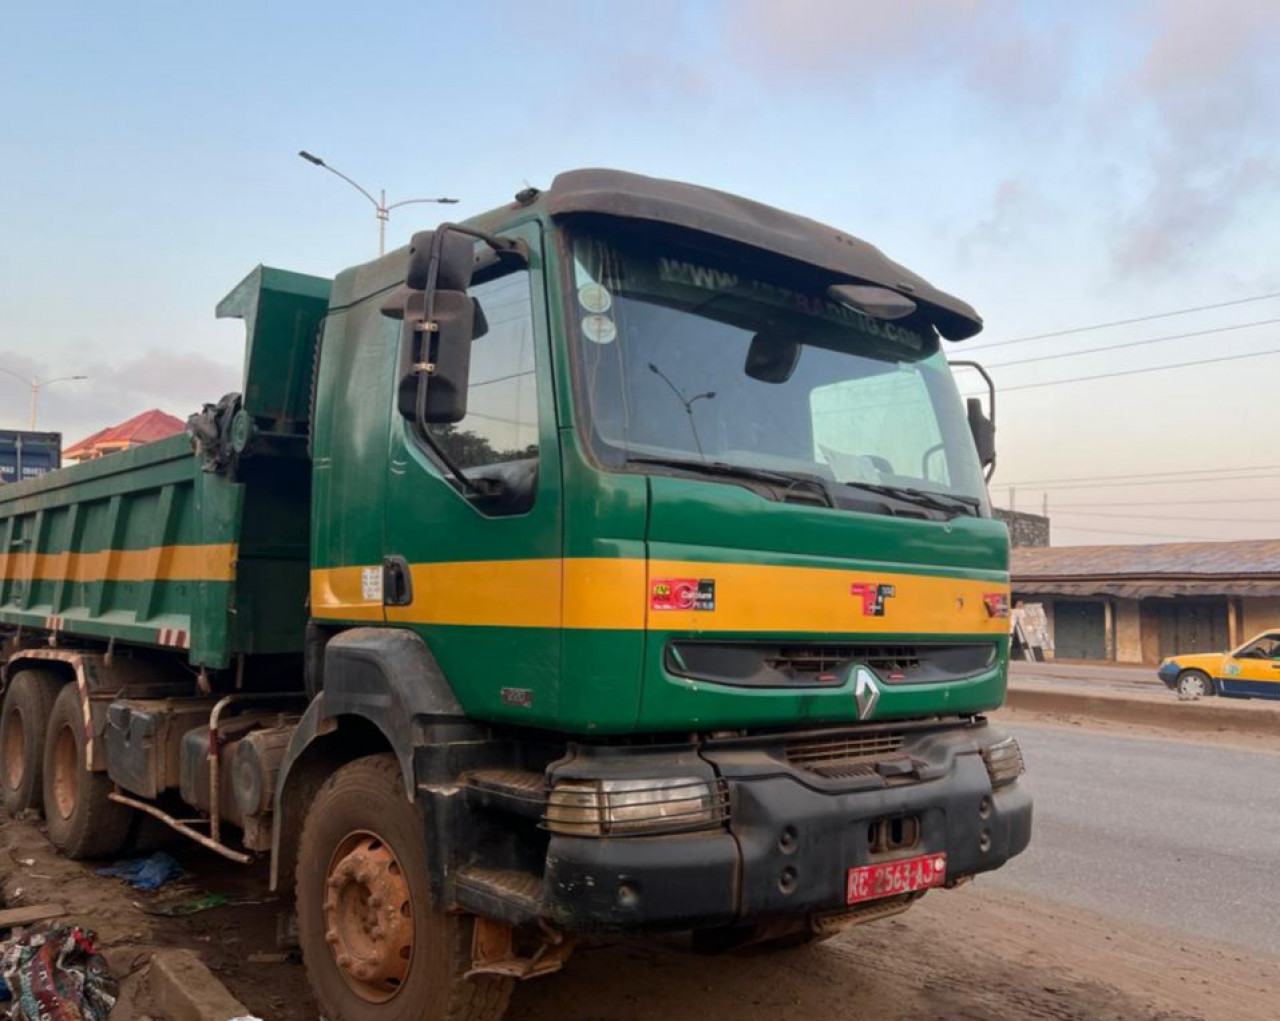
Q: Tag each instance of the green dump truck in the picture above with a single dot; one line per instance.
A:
(620, 559)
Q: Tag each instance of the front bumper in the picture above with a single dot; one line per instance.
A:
(789, 842)
(1168, 672)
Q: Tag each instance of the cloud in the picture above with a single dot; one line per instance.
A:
(1209, 81)
(1012, 207)
(985, 45)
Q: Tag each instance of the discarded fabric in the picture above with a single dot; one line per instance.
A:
(57, 974)
(148, 873)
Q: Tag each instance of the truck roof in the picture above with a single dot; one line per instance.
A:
(708, 211)
(719, 214)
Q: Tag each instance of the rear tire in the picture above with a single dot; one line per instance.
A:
(375, 947)
(27, 706)
(82, 821)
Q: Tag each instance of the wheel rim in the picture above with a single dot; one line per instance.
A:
(368, 917)
(66, 772)
(15, 749)
(1193, 685)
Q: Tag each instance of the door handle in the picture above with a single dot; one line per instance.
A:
(397, 581)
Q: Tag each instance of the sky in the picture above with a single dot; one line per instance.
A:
(1057, 165)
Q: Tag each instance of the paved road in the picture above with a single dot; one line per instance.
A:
(1164, 833)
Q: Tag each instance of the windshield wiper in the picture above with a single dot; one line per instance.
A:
(787, 480)
(922, 498)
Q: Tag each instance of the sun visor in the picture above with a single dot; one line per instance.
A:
(636, 197)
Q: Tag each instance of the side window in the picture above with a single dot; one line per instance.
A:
(501, 425)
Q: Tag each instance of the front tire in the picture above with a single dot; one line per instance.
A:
(374, 946)
(1194, 684)
(28, 704)
(82, 821)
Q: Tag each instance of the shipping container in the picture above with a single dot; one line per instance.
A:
(24, 455)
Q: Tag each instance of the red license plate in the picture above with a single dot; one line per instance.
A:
(870, 882)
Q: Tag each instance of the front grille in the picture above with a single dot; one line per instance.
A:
(886, 660)
(824, 664)
(845, 756)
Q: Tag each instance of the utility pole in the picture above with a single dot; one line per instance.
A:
(35, 383)
(382, 210)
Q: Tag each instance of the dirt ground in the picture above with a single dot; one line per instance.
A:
(976, 954)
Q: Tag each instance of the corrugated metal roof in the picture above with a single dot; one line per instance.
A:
(1243, 559)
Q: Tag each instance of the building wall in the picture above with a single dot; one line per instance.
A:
(1024, 529)
(1258, 614)
(1149, 621)
(1128, 631)
(1133, 626)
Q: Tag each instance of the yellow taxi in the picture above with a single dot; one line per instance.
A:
(1251, 671)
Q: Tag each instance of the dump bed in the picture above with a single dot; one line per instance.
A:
(198, 547)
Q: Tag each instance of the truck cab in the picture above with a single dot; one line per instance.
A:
(701, 506)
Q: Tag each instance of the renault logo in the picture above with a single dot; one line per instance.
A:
(866, 692)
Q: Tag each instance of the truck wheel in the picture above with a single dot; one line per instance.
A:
(82, 821)
(374, 945)
(27, 706)
(1194, 684)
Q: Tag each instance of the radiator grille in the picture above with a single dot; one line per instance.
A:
(821, 659)
(846, 755)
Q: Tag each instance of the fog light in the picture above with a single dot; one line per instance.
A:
(598, 808)
(1004, 762)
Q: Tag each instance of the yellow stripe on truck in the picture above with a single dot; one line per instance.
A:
(599, 593)
(206, 562)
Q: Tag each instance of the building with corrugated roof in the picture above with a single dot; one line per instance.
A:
(1138, 604)
(144, 428)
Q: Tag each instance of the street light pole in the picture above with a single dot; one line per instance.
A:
(36, 383)
(380, 206)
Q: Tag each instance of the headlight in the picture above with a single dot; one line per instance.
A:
(600, 808)
(1004, 762)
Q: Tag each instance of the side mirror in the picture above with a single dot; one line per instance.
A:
(771, 358)
(439, 378)
(453, 254)
(981, 427)
(984, 434)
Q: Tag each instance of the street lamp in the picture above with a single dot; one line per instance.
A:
(380, 203)
(35, 383)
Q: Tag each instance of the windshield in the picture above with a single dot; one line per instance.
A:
(695, 361)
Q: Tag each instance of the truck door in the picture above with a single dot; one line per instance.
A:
(480, 578)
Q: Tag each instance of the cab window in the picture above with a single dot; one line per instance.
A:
(501, 424)
(1266, 647)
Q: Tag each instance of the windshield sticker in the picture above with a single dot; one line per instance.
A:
(599, 329)
(710, 278)
(595, 298)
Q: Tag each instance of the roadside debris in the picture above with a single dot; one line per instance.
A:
(57, 974)
(12, 917)
(188, 906)
(149, 873)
